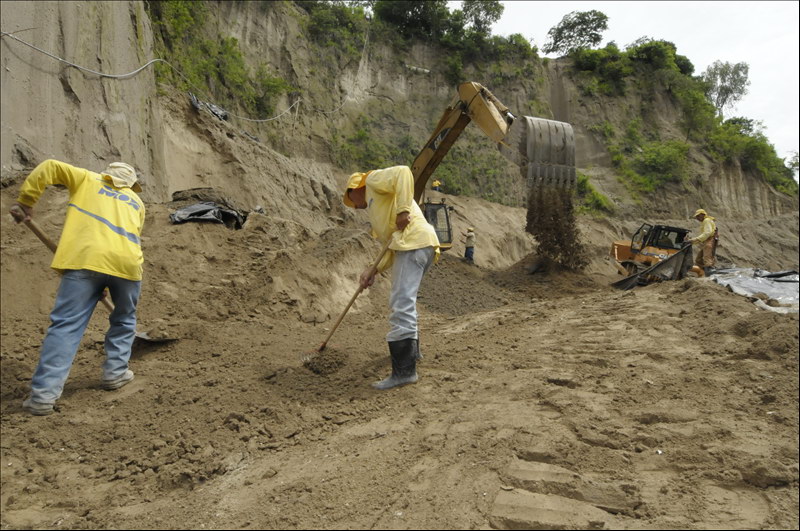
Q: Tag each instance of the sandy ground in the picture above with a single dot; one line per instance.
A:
(544, 401)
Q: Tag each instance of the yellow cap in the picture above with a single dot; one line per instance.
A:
(700, 211)
(470, 229)
(357, 180)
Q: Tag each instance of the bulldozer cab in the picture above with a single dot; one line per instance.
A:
(654, 253)
(658, 236)
(640, 237)
(649, 245)
(438, 215)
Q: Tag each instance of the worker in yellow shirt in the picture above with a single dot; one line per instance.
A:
(469, 245)
(436, 185)
(99, 249)
(388, 197)
(707, 239)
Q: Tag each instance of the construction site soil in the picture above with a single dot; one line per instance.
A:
(546, 400)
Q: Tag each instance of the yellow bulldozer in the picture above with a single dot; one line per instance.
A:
(543, 149)
(654, 253)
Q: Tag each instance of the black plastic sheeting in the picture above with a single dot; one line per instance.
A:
(198, 104)
(208, 211)
(673, 268)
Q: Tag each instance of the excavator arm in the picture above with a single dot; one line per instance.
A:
(473, 102)
(544, 150)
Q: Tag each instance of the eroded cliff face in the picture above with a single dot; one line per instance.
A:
(53, 110)
(724, 189)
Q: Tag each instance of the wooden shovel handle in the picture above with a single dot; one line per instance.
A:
(37, 230)
(353, 298)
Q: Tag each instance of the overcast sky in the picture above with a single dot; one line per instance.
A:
(762, 34)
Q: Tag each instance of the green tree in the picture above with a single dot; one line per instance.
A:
(698, 113)
(481, 14)
(684, 65)
(727, 83)
(577, 30)
(746, 126)
(792, 163)
(415, 18)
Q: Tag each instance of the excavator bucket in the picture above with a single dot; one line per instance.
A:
(544, 150)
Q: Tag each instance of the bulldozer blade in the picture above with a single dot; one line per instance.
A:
(544, 150)
(673, 268)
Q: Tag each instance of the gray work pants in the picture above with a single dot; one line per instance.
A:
(407, 272)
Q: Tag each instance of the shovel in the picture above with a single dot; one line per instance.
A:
(353, 298)
(37, 230)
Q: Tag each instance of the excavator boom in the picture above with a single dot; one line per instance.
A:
(543, 149)
(473, 102)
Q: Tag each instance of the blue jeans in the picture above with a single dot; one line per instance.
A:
(468, 253)
(407, 272)
(77, 296)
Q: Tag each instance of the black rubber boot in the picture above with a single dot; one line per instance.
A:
(417, 353)
(404, 364)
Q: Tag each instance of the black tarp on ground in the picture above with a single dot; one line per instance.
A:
(208, 211)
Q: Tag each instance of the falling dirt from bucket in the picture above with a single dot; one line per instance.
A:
(551, 220)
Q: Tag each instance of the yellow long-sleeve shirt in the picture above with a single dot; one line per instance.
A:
(390, 192)
(103, 225)
(707, 228)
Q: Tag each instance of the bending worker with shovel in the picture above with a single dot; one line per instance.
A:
(99, 248)
(388, 197)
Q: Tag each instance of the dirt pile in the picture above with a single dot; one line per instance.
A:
(536, 391)
(326, 362)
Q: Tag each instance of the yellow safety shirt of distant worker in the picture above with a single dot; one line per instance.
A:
(103, 225)
(390, 192)
(707, 228)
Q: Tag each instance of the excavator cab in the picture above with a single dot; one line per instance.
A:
(543, 149)
(438, 215)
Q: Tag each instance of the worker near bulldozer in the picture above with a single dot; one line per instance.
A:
(388, 196)
(707, 240)
(469, 245)
(99, 249)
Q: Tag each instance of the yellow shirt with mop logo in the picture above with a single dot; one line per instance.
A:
(103, 224)
(391, 192)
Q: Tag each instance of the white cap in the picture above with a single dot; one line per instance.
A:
(123, 176)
